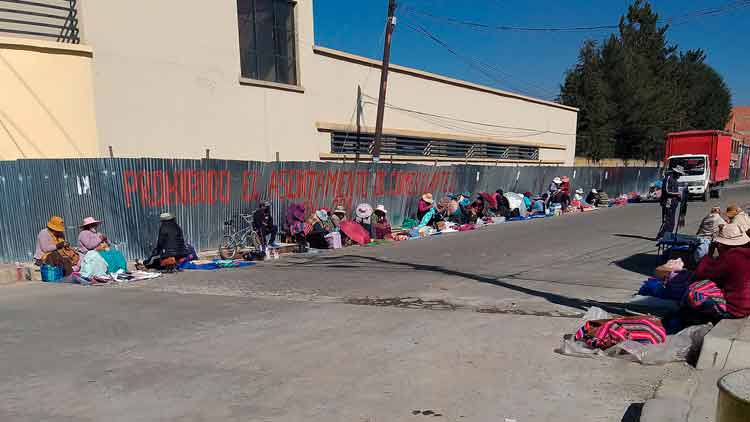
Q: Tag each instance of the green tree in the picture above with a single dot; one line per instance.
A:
(636, 88)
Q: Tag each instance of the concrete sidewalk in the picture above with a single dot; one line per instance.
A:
(692, 397)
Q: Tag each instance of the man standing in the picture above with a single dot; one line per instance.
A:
(671, 199)
(263, 224)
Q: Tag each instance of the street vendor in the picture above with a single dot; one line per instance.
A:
(503, 205)
(381, 227)
(363, 217)
(709, 227)
(593, 198)
(671, 199)
(337, 216)
(723, 289)
(52, 248)
(89, 239)
(424, 205)
(170, 246)
(315, 231)
(737, 216)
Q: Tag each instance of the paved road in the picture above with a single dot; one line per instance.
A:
(465, 327)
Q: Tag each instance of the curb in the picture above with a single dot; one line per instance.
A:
(671, 401)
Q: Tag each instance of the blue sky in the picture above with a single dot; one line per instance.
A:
(530, 63)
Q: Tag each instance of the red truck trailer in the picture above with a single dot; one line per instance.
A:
(705, 156)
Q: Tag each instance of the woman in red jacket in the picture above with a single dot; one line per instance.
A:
(724, 291)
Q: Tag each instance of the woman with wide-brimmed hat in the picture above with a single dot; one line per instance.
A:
(89, 239)
(52, 248)
(723, 289)
(424, 205)
(380, 225)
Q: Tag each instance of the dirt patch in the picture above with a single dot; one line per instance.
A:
(405, 302)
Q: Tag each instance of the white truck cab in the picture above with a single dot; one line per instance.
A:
(697, 176)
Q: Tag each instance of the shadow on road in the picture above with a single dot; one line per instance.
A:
(633, 414)
(635, 236)
(641, 263)
(571, 302)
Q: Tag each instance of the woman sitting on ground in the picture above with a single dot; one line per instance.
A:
(89, 239)
(363, 217)
(380, 225)
(315, 231)
(53, 250)
(338, 215)
(503, 205)
(724, 289)
(424, 205)
(170, 246)
(737, 216)
(593, 198)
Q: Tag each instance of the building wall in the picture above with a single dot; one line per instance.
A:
(46, 103)
(167, 84)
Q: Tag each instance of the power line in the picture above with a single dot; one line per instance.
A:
(488, 70)
(455, 119)
(675, 20)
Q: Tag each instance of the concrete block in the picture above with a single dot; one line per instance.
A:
(718, 343)
(665, 410)
(739, 354)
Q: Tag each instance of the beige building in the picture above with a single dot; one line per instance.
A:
(245, 80)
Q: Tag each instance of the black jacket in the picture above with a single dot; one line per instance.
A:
(262, 218)
(171, 241)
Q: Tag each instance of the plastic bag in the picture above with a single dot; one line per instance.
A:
(680, 347)
(595, 314)
(516, 201)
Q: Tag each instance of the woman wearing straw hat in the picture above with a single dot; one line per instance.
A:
(380, 224)
(424, 205)
(89, 239)
(724, 291)
(52, 248)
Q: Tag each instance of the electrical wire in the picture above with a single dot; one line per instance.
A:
(487, 70)
(455, 119)
(674, 20)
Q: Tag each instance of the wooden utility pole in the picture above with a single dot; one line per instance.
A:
(384, 80)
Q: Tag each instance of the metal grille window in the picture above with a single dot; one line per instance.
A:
(349, 143)
(45, 19)
(267, 40)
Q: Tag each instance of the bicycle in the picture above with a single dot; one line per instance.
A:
(235, 241)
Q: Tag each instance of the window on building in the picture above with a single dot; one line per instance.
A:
(350, 143)
(267, 40)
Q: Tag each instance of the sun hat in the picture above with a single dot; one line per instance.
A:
(579, 191)
(594, 191)
(731, 235)
(565, 179)
(557, 180)
(364, 210)
(89, 221)
(166, 216)
(466, 194)
(733, 210)
(56, 223)
(427, 197)
(340, 210)
(679, 169)
(381, 208)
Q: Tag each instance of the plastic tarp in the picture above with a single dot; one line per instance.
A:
(516, 201)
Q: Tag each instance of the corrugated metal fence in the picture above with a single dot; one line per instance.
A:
(129, 194)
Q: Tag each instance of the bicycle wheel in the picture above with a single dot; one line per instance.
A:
(253, 241)
(228, 248)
